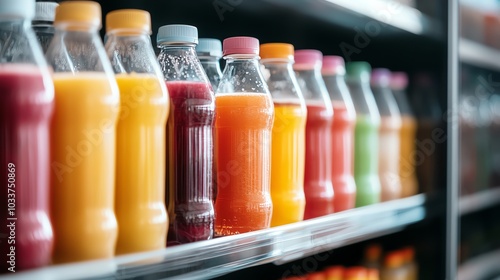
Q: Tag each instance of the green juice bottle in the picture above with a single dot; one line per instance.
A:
(366, 135)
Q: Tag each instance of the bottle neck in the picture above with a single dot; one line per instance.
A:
(179, 62)
(76, 27)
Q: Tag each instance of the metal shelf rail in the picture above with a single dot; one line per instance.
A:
(212, 258)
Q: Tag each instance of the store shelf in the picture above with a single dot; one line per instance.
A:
(386, 12)
(478, 54)
(207, 259)
(478, 201)
(482, 267)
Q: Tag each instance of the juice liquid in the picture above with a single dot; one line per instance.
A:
(366, 161)
(287, 164)
(317, 179)
(25, 113)
(342, 158)
(389, 158)
(190, 171)
(243, 134)
(407, 173)
(140, 164)
(83, 147)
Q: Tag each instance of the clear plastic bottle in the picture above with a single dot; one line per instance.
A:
(244, 118)
(189, 136)
(344, 120)
(365, 135)
(26, 110)
(43, 23)
(209, 52)
(389, 135)
(141, 133)
(288, 137)
(407, 172)
(83, 136)
(318, 186)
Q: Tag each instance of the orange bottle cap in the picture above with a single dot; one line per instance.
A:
(394, 259)
(79, 12)
(373, 252)
(372, 274)
(129, 19)
(276, 50)
(334, 272)
(355, 273)
(316, 276)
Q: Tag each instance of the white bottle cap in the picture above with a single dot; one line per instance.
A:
(17, 8)
(45, 11)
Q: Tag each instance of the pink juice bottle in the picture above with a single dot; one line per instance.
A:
(25, 112)
(189, 136)
(344, 120)
(318, 187)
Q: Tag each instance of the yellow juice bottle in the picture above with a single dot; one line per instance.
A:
(288, 134)
(83, 139)
(141, 133)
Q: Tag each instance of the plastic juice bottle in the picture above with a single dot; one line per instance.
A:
(83, 140)
(140, 141)
(318, 186)
(288, 136)
(389, 136)
(407, 173)
(410, 264)
(430, 154)
(344, 121)
(43, 23)
(209, 52)
(189, 136)
(355, 273)
(394, 267)
(365, 135)
(334, 273)
(244, 119)
(25, 113)
(373, 256)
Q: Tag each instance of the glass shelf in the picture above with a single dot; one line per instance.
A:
(481, 267)
(386, 12)
(212, 258)
(478, 201)
(477, 54)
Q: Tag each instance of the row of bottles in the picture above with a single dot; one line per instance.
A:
(392, 265)
(133, 150)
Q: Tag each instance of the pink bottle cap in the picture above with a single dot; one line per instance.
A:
(308, 57)
(240, 45)
(333, 65)
(399, 80)
(380, 77)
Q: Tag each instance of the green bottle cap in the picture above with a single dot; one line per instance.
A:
(358, 70)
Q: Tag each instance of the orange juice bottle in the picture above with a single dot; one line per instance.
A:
(389, 136)
(288, 144)
(141, 133)
(83, 139)
(407, 173)
(355, 273)
(394, 267)
(244, 115)
(334, 272)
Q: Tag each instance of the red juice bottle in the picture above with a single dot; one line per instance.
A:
(344, 120)
(189, 136)
(318, 187)
(25, 112)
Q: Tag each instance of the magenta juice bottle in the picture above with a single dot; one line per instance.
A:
(189, 136)
(25, 111)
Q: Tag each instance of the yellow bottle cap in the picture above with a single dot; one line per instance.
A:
(129, 19)
(276, 50)
(79, 12)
